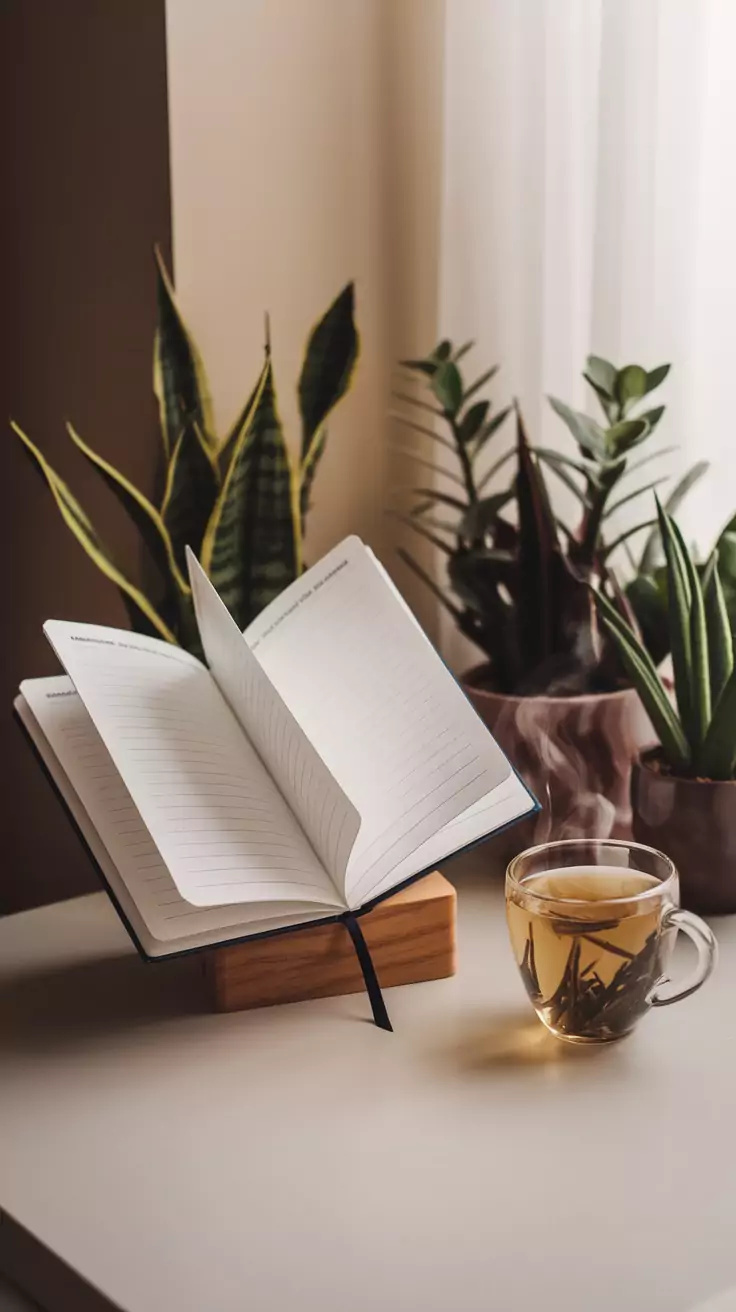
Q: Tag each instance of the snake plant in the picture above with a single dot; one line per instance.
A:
(519, 576)
(698, 739)
(238, 500)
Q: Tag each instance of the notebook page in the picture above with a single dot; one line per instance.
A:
(76, 747)
(500, 807)
(380, 707)
(222, 827)
(326, 815)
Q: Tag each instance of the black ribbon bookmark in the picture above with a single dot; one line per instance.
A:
(373, 988)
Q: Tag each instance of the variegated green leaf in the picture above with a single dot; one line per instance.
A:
(189, 496)
(720, 638)
(699, 655)
(645, 678)
(179, 378)
(252, 545)
(329, 361)
(679, 607)
(225, 454)
(309, 469)
(143, 514)
(718, 757)
(143, 616)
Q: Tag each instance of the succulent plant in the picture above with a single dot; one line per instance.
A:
(698, 739)
(238, 500)
(519, 578)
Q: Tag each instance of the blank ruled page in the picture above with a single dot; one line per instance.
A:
(76, 747)
(324, 812)
(217, 819)
(379, 706)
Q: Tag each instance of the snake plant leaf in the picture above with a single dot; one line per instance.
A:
(539, 551)
(671, 505)
(654, 701)
(329, 362)
(679, 605)
(720, 638)
(587, 433)
(647, 597)
(699, 656)
(726, 548)
(225, 453)
(143, 616)
(641, 670)
(718, 755)
(179, 378)
(142, 513)
(247, 565)
(308, 471)
(190, 493)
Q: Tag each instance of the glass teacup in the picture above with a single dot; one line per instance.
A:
(593, 923)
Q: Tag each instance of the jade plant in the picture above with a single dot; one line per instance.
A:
(238, 500)
(698, 739)
(519, 578)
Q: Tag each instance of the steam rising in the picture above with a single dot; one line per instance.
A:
(576, 753)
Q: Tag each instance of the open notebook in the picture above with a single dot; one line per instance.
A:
(325, 757)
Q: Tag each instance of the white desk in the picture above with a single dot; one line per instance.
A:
(299, 1158)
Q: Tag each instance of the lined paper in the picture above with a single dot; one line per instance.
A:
(323, 810)
(380, 707)
(87, 766)
(218, 820)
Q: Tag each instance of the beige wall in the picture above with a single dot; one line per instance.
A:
(305, 150)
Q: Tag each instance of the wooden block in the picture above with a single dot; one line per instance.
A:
(411, 937)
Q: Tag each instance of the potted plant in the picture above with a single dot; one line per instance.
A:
(237, 500)
(522, 584)
(684, 790)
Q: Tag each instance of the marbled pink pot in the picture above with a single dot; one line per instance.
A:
(575, 753)
(694, 822)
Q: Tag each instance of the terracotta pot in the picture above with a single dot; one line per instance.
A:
(694, 822)
(575, 753)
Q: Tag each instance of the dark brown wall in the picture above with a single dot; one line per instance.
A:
(85, 193)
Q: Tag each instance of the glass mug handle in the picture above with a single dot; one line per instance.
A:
(707, 948)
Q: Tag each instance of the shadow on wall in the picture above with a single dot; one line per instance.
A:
(86, 196)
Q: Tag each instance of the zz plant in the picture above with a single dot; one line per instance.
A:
(238, 500)
(698, 739)
(520, 580)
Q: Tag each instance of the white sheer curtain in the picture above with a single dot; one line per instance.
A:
(589, 204)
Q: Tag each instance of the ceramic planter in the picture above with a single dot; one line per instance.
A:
(694, 822)
(575, 753)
